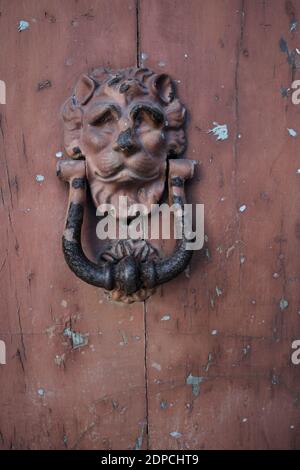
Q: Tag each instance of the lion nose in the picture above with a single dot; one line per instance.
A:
(126, 142)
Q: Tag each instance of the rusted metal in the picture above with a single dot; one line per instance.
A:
(104, 121)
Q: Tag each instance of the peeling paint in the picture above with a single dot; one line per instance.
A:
(23, 25)
(293, 25)
(242, 259)
(218, 291)
(220, 131)
(44, 84)
(209, 362)
(246, 350)
(283, 304)
(60, 359)
(292, 132)
(78, 340)
(39, 178)
(275, 379)
(124, 338)
(156, 366)
(242, 208)
(229, 251)
(163, 404)
(165, 318)
(195, 383)
(50, 331)
(41, 392)
(175, 434)
(139, 440)
(59, 154)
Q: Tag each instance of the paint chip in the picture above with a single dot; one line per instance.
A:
(214, 332)
(298, 171)
(244, 420)
(242, 208)
(40, 178)
(156, 366)
(163, 404)
(195, 382)
(165, 318)
(283, 304)
(292, 132)
(41, 392)
(175, 434)
(59, 360)
(293, 25)
(246, 349)
(23, 25)
(220, 131)
(242, 259)
(78, 340)
(218, 291)
(44, 84)
(59, 154)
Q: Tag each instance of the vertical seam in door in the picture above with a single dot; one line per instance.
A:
(146, 371)
(137, 12)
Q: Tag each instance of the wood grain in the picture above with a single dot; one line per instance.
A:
(94, 396)
(217, 340)
(225, 324)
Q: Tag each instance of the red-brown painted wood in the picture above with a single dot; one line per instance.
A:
(218, 338)
(225, 324)
(93, 397)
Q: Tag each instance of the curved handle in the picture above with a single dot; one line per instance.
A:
(73, 172)
(128, 274)
(161, 271)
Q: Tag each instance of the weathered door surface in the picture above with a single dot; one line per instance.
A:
(206, 362)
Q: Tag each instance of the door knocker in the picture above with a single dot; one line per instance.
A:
(124, 132)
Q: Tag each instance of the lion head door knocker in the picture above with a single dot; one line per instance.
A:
(123, 132)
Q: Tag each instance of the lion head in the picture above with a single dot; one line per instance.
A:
(125, 124)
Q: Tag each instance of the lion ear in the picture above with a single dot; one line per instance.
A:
(84, 89)
(165, 87)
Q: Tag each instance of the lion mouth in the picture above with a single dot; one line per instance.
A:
(126, 175)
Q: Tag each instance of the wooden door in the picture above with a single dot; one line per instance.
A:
(206, 362)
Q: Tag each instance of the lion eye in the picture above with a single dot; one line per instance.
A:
(103, 119)
(148, 116)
